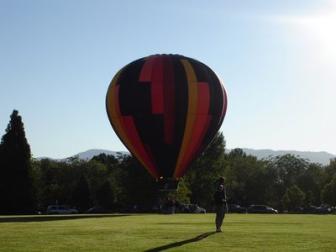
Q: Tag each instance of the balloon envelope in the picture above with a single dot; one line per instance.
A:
(166, 109)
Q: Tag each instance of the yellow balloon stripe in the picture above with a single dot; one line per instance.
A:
(114, 111)
(192, 107)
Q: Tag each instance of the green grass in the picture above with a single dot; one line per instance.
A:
(180, 232)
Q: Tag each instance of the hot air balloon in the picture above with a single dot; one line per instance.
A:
(166, 109)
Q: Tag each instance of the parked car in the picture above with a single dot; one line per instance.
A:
(317, 210)
(61, 209)
(97, 209)
(234, 208)
(261, 209)
(324, 210)
(297, 210)
(194, 208)
(190, 208)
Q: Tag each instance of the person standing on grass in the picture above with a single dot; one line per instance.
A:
(220, 204)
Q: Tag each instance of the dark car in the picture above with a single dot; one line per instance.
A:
(234, 208)
(317, 210)
(309, 209)
(61, 209)
(190, 208)
(97, 210)
(323, 210)
(194, 208)
(182, 208)
(261, 209)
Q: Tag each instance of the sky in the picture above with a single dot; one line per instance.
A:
(277, 60)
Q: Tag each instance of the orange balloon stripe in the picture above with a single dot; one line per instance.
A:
(114, 111)
(112, 105)
(200, 126)
(192, 107)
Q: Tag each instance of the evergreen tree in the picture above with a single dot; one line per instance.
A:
(16, 192)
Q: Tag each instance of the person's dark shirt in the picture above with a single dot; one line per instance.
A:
(220, 197)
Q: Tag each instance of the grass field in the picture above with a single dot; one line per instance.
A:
(180, 232)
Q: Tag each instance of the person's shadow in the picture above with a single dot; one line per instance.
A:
(180, 243)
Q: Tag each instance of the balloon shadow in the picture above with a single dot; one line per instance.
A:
(41, 218)
(180, 243)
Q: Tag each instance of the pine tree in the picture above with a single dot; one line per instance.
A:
(16, 191)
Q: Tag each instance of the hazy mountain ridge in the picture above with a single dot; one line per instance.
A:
(87, 155)
(321, 157)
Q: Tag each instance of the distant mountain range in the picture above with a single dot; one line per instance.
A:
(87, 155)
(321, 157)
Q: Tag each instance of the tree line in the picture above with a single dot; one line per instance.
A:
(120, 182)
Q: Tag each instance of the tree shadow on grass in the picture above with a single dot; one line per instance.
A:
(41, 218)
(180, 243)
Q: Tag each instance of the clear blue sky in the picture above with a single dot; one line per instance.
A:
(277, 60)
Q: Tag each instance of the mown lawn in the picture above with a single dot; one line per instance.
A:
(180, 232)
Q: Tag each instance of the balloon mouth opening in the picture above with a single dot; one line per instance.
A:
(167, 184)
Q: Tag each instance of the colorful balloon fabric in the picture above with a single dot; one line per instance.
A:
(166, 109)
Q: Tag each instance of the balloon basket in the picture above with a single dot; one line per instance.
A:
(167, 185)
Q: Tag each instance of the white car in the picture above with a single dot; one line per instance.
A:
(61, 209)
